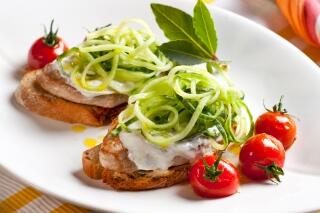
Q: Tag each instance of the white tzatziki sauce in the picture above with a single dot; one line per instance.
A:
(89, 94)
(148, 156)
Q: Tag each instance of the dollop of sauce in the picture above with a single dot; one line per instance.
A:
(89, 94)
(90, 142)
(148, 156)
(78, 128)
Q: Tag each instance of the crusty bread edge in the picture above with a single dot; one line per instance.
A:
(91, 164)
(145, 180)
(32, 97)
(134, 181)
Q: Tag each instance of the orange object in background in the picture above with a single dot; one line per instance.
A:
(302, 16)
(313, 19)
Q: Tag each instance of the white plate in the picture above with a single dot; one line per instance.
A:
(47, 154)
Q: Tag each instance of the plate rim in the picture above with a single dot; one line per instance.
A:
(6, 167)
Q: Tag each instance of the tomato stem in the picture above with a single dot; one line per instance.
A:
(277, 107)
(273, 171)
(214, 57)
(50, 38)
(99, 28)
(212, 172)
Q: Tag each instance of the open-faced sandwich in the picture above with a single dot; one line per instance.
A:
(172, 121)
(183, 124)
(90, 83)
(180, 114)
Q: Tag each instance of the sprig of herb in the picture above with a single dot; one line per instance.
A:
(193, 40)
(204, 26)
(183, 52)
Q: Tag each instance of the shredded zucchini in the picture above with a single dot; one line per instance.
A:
(117, 59)
(186, 102)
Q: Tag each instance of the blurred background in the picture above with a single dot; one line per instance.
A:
(295, 20)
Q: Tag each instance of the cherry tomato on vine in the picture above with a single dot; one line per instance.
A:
(279, 124)
(46, 49)
(262, 157)
(213, 177)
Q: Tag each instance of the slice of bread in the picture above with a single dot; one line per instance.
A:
(121, 173)
(91, 163)
(143, 180)
(34, 98)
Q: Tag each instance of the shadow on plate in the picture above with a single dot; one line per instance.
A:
(246, 181)
(18, 72)
(98, 184)
(185, 191)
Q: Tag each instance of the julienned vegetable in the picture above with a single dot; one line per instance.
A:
(115, 59)
(189, 101)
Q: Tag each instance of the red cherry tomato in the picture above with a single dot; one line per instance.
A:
(45, 49)
(262, 157)
(279, 124)
(211, 177)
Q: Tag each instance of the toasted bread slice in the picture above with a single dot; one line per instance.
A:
(144, 180)
(51, 81)
(91, 163)
(113, 166)
(34, 98)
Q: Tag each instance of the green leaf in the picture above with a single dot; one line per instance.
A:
(183, 52)
(204, 26)
(177, 25)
